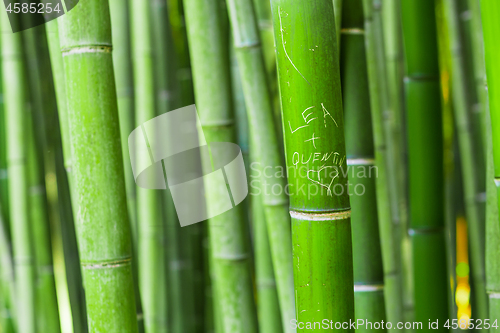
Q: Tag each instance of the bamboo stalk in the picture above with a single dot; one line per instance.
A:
(16, 113)
(379, 104)
(267, 297)
(478, 62)
(491, 27)
(469, 160)
(103, 231)
(309, 80)
(151, 233)
(394, 63)
(122, 64)
(65, 184)
(4, 184)
(37, 143)
(7, 283)
(180, 302)
(122, 61)
(367, 256)
(425, 161)
(47, 309)
(492, 234)
(337, 9)
(230, 258)
(7, 288)
(260, 117)
(451, 160)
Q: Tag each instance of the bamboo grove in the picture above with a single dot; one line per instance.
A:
(369, 131)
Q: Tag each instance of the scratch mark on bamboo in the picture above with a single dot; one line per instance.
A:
(284, 49)
(326, 113)
(305, 117)
(293, 131)
(329, 186)
(313, 138)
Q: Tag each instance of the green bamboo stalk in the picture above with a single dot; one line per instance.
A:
(152, 233)
(478, 62)
(4, 184)
(491, 50)
(469, 159)
(453, 186)
(180, 302)
(65, 184)
(267, 297)
(103, 231)
(207, 39)
(491, 27)
(337, 9)
(260, 117)
(425, 161)
(394, 63)
(313, 126)
(7, 283)
(378, 104)
(47, 309)
(122, 62)
(184, 76)
(7, 290)
(367, 256)
(16, 113)
(191, 239)
(492, 235)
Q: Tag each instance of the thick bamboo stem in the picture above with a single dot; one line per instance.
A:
(103, 231)
(313, 126)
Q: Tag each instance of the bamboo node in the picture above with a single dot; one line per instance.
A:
(247, 45)
(352, 31)
(87, 49)
(495, 295)
(330, 216)
(360, 161)
(107, 264)
(363, 288)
